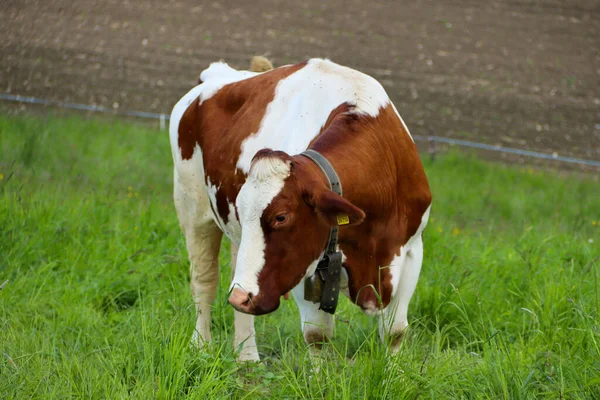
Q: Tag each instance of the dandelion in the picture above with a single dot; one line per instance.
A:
(594, 223)
(456, 231)
(129, 188)
(130, 195)
(1, 176)
(440, 230)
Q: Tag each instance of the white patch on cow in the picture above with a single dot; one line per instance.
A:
(232, 228)
(403, 124)
(212, 196)
(189, 179)
(405, 275)
(219, 74)
(302, 103)
(399, 260)
(265, 181)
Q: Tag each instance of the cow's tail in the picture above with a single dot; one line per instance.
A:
(260, 64)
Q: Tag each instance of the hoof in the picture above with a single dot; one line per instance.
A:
(248, 356)
(198, 342)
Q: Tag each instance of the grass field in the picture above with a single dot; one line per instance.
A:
(98, 304)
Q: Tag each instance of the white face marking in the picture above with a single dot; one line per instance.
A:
(302, 103)
(399, 260)
(264, 183)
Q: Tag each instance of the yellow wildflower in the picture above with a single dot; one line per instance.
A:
(1, 176)
(593, 222)
(129, 194)
(130, 188)
(440, 230)
(455, 231)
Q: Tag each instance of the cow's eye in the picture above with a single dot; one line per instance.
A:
(281, 218)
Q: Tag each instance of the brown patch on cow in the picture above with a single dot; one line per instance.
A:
(390, 186)
(187, 132)
(219, 126)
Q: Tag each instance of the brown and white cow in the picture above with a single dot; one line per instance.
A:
(236, 140)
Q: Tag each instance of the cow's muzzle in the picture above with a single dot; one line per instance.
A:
(249, 304)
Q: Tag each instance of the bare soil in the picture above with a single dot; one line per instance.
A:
(518, 73)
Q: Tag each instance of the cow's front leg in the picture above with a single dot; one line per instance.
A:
(317, 325)
(394, 320)
(244, 339)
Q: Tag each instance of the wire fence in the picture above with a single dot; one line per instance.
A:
(431, 139)
(85, 107)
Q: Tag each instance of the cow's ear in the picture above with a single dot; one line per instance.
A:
(336, 210)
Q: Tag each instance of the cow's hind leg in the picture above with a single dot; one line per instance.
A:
(394, 320)
(203, 241)
(244, 339)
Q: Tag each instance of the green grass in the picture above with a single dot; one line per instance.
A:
(98, 305)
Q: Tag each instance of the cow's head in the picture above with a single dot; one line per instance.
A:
(286, 210)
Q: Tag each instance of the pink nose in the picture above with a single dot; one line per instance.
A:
(241, 300)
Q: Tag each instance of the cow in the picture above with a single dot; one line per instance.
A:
(239, 142)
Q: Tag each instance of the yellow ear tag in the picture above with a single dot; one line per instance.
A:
(343, 220)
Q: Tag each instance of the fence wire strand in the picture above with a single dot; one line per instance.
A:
(165, 117)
